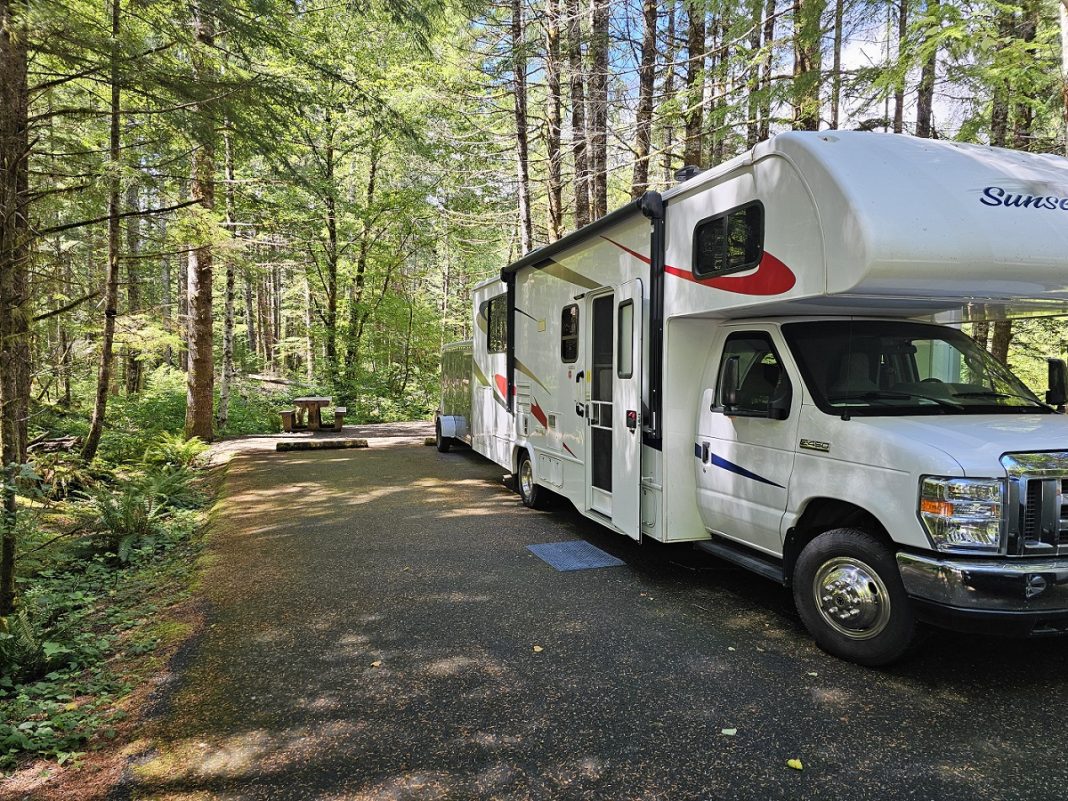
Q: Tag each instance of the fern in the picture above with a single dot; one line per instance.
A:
(21, 652)
(174, 449)
(124, 519)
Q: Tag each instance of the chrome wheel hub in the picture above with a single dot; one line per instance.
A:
(526, 478)
(851, 598)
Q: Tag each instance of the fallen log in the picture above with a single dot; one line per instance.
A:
(321, 444)
(41, 445)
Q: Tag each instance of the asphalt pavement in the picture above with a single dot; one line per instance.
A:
(377, 629)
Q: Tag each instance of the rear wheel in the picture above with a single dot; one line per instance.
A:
(532, 495)
(850, 597)
(443, 443)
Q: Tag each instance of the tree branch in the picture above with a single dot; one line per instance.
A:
(56, 229)
(67, 307)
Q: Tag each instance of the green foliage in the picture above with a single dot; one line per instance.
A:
(61, 473)
(88, 600)
(175, 450)
(21, 651)
(123, 519)
(171, 488)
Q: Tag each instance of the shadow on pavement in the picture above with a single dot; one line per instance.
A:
(374, 617)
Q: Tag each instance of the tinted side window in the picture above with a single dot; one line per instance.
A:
(761, 376)
(497, 324)
(729, 242)
(569, 333)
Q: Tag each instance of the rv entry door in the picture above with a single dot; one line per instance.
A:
(614, 410)
(627, 402)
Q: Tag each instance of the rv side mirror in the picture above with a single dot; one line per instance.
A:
(729, 391)
(1057, 394)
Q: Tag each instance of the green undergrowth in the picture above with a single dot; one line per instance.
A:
(105, 557)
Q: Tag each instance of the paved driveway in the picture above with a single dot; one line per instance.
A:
(373, 617)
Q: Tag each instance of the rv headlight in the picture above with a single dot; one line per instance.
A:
(962, 515)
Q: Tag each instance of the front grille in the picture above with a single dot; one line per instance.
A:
(1037, 503)
(1062, 517)
(1032, 515)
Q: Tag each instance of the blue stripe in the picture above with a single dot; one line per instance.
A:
(719, 461)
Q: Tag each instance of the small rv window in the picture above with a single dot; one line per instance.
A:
(730, 242)
(625, 340)
(569, 334)
(497, 324)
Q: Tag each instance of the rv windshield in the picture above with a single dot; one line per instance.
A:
(877, 367)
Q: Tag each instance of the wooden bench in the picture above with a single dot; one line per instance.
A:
(339, 417)
(288, 416)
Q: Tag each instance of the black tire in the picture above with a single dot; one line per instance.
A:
(532, 495)
(849, 594)
(443, 443)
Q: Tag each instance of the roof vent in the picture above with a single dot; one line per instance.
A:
(687, 172)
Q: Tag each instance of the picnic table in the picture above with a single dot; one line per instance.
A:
(310, 408)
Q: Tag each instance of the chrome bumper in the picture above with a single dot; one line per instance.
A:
(994, 585)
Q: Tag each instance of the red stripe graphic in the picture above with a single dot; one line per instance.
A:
(502, 385)
(539, 413)
(568, 449)
(771, 276)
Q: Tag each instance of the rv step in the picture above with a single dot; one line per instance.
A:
(744, 557)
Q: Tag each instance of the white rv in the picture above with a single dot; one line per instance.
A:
(767, 360)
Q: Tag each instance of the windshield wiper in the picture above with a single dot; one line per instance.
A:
(883, 394)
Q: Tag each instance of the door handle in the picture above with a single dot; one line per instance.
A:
(632, 419)
(580, 410)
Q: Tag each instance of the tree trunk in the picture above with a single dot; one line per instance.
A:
(695, 73)
(250, 312)
(1064, 68)
(925, 92)
(552, 135)
(263, 312)
(669, 91)
(309, 341)
(981, 333)
(111, 281)
(166, 299)
(578, 114)
(999, 343)
(599, 43)
(808, 16)
(836, 68)
(14, 236)
(766, 71)
(201, 374)
(183, 311)
(519, 98)
(752, 128)
(359, 282)
(902, 46)
(227, 375)
(719, 105)
(333, 367)
(643, 131)
(134, 364)
(1026, 31)
(999, 105)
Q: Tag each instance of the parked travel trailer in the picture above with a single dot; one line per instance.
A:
(767, 360)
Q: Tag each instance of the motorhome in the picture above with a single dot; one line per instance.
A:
(768, 360)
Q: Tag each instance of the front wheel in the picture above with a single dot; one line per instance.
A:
(443, 443)
(531, 494)
(849, 594)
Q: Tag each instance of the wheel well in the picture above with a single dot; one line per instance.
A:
(824, 514)
(516, 451)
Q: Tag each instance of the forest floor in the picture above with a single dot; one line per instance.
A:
(376, 628)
